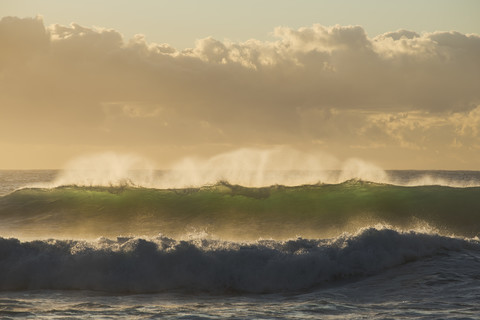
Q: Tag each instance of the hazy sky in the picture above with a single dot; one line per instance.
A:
(181, 22)
(396, 84)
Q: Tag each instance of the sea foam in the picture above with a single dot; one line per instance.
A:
(136, 265)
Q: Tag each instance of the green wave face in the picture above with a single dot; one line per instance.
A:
(235, 212)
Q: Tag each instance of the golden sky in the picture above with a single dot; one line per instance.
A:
(403, 99)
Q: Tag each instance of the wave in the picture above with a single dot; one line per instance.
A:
(236, 212)
(137, 265)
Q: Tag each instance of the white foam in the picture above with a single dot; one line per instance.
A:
(164, 264)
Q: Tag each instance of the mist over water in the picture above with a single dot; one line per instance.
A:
(106, 169)
(245, 167)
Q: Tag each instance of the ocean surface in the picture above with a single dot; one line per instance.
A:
(399, 245)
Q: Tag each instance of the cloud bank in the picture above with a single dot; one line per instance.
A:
(402, 98)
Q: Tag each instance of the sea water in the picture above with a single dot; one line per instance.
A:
(405, 247)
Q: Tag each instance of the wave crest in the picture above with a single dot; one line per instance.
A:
(237, 212)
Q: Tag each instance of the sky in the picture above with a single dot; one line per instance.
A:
(394, 83)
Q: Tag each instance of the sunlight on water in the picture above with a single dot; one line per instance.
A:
(107, 169)
(246, 167)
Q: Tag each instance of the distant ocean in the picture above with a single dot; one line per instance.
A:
(401, 247)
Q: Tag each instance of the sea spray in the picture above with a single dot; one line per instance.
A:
(246, 167)
(105, 169)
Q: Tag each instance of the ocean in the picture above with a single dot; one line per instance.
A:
(401, 245)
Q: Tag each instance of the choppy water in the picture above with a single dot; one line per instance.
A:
(353, 249)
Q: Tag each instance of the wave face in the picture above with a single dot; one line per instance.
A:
(235, 212)
(135, 265)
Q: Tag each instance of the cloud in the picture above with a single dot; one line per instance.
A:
(335, 85)
(400, 34)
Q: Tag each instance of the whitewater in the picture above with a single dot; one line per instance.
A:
(134, 245)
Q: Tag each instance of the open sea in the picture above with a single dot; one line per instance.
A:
(402, 245)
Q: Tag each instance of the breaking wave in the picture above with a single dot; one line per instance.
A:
(137, 265)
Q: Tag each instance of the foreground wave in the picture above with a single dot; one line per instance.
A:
(238, 213)
(136, 265)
